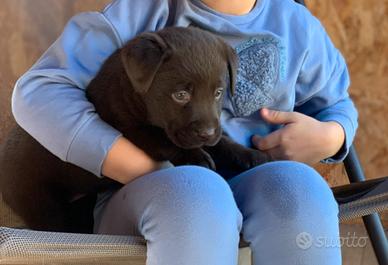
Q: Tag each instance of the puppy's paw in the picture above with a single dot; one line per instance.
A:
(205, 160)
(251, 158)
(197, 157)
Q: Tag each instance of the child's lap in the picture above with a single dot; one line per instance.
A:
(263, 184)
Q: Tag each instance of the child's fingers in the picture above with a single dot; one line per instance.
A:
(278, 117)
(272, 140)
(276, 154)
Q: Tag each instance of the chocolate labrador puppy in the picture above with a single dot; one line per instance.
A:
(164, 92)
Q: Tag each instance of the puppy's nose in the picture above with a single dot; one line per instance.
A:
(207, 133)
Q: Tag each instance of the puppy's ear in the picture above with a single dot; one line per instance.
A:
(142, 58)
(232, 60)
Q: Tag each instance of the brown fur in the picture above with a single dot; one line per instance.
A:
(133, 93)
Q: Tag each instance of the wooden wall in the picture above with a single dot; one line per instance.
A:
(28, 28)
(359, 29)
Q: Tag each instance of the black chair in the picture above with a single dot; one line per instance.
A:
(358, 188)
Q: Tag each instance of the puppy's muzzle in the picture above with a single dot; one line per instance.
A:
(193, 138)
(206, 133)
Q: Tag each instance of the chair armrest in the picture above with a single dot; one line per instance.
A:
(362, 198)
(350, 192)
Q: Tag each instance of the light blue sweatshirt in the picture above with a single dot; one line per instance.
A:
(287, 62)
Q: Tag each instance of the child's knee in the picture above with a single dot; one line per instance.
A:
(287, 189)
(195, 195)
(307, 186)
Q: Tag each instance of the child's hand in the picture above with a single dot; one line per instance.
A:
(302, 138)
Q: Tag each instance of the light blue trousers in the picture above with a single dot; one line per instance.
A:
(190, 215)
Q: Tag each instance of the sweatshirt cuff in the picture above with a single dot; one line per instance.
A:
(91, 144)
(349, 130)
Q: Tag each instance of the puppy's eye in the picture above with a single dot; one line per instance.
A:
(181, 97)
(218, 93)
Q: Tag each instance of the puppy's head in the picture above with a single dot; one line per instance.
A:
(182, 75)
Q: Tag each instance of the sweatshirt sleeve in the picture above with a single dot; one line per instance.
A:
(322, 86)
(49, 100)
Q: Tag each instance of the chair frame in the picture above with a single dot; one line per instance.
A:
(372, 222)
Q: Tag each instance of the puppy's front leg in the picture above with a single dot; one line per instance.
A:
(196, 156)
(231, 156)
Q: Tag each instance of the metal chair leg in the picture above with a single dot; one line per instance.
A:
(372, 222)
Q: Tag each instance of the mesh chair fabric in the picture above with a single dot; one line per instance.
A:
(35, 247)
(374, 201)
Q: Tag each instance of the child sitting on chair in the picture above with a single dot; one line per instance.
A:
(291, 101)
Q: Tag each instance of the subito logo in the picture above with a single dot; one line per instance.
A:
(304, 240)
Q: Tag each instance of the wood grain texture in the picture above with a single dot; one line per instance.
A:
(359, 30)
(28, 28)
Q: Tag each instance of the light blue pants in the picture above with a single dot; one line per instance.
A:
(190, 215)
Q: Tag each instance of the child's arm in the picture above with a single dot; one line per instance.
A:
(325, 119)
(49, 101)
(125, 162)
